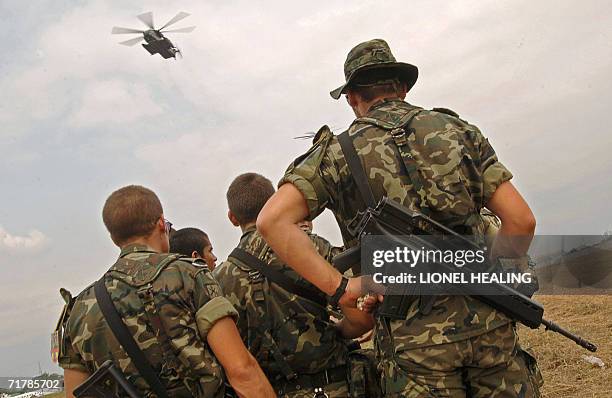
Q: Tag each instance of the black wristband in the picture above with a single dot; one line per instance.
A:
(333, 300)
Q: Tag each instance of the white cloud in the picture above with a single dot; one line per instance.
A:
(34, 240)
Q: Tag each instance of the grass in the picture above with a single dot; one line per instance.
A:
(561, 362)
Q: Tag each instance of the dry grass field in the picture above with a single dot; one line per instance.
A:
(565, 372)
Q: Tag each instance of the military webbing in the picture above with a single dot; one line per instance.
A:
(407, 162)
(395, 305)
(170, 360)
(357, 171)
(278, 278)
(125, 338)
(400, 133)
(264, 325)
(314, 380)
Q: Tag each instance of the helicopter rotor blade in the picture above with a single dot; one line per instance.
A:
(132, 42)
(119, 31)
(147, 19)
(181, 30)
(176, 18)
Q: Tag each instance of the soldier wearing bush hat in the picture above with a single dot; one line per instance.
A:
(429, 161)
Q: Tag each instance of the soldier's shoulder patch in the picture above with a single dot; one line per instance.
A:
(446, 111)
(213, 290)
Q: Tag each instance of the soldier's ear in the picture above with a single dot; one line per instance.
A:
(233, 218)
(351, 98)
(403, 91)
(161, 224)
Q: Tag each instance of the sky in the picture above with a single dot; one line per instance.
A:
(81, 116)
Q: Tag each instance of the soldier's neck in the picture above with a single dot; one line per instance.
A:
(244, 227)
(152, 242)
(363, 108)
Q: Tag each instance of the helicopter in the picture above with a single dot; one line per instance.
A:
(156, 42)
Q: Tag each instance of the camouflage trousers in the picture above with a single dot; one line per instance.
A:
(490, 365)
(334, 390)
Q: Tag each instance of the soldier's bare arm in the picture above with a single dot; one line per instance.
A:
(517, 222)
(72, 379)
(242, 370)
(277, 224)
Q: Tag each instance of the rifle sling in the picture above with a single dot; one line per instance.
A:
(400, 136)
(357, 171)
(125, 338)
(278, 278)
(263, 325)
(398, 307)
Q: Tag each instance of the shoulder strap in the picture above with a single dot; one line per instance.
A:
(356, 168)
(125, 338)
(171, 360)
(400, 138)
(278, 278)
(263, 325)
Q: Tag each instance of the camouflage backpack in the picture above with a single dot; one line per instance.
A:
(273, 323)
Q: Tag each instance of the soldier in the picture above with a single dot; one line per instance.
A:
(283, 319)
(432, 162)
(172, 306)
(194, 243)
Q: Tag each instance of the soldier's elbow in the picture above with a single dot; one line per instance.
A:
(520, 223)
(242, 370)
(530, 223)
(525, 222)
(265, 222)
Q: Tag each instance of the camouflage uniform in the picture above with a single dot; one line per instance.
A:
(151, 292)
(301, 329)
(492, 224)
(462, 344)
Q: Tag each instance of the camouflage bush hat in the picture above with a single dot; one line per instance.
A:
(374, 54)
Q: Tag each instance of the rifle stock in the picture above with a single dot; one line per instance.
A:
(96, 385)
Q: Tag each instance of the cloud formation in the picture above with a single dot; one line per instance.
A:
(34, 240)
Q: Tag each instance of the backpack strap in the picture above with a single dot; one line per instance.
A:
(400, 133)
(259, 273)
(263, 325)
(278, 278)
(356, 168)
(400, 136)
(145, 293)
(125, 338)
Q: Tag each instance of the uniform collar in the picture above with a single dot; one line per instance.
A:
(248, 231)
(383, 102)
(135, 248)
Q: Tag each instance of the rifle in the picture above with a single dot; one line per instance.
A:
(96, 385)
(404, 226)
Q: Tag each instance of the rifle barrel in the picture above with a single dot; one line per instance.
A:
(576, 339)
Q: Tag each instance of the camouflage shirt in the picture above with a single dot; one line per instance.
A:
(301, 329)
(459, 172)
(187, 301)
